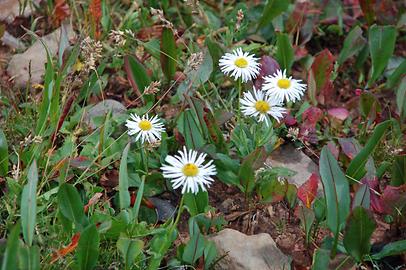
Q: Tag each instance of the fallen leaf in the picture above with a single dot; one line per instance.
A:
(308, 191)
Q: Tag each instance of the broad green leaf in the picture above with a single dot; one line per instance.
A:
(398, 176)
(138, 200)
(168, 53)
(397, 75)
(362, 197)
(369, 106)
(87, 252)
(271, 10)
(195, 247)
(191, 130)
(307, 218)
(401, 98)
(29, 204)
(358, 232)
(394, 248)
(353, 43)
(336, 191)
(284, 52)
(136, 74)
(356, 169)
(29, 258)
(71, 206)
(160, 244)
(129, 249)
(10, 255)
(247, 171)
(321, 259)
(3, 154)
(196, 203)
(210, 254)
(124, 194)
(381, 45)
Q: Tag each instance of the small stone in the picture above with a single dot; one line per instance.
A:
(288, 156)
(164, 208)
(243, 252)
(33, 60)
(101, 109)
(9, 9)
(226, 205)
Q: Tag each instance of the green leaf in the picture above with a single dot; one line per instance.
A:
(247, 170)
(399, 171)
(136, 74)
(397, 75)
(87, 251)
(356, 168)
(336, 191)
(191, 130)
(71, 206)
(369, 105)
(394, 248)
(129, 249)
(401, 98)
(29, 258)
(381, 45)
(307, 218)
(196, 203)
(272, 9)
(284, 53)
(195, 247)
(124, 194)
(210, 254)
(29, 204)
(138, 200)
(3, 154)
(358, 232)
(362, 197)
(168, 53)
(321, 259)
(10, 255)
(353, 43)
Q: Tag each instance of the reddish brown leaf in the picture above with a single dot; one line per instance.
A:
(308, 191)
(66, 250)
(339, 113)
(61, 12)
(321, 69)
(311, 116)
(93, 201)
(334, 149)
(96, 14)
(269, 66)
(349, 147)
(367, 7)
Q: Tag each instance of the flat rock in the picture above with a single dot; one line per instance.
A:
(101, 109)
(289, 157)
(164, 208)
(9, 9)
(248, 252)
(36, 57)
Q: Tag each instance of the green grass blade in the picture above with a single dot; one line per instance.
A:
(124, 195)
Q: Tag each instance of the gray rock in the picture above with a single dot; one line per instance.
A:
(101, 109)
(164, 208)
(12, 42)
(243, 252)
(289, 157)
(9, 9)
(36, 57)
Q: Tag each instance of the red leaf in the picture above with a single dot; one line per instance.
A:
(92, 201)
(321, 69)
(394, 199)
(269, 66)
(66, 250)
(308, 191)
(61, 12)
(367, 7)
(334, 149)
(289, 120)
(339, 113)
(311, 116)
(349, 147)
(96, 14)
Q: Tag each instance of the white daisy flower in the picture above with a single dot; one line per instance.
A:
(239, 64)
(260, 105)
(187, 170)
(280, 87)
(146, 129)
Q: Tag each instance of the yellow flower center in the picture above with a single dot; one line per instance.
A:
(145, 125)
(284, 83)
(241, 62)
(262, 106)
(190, 169)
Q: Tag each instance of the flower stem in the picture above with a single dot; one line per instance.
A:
(180, 210)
